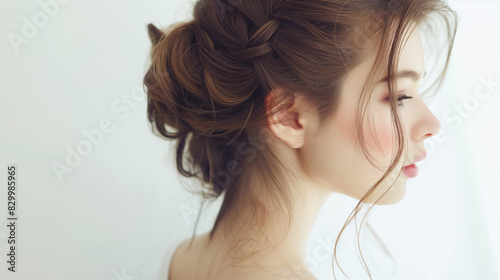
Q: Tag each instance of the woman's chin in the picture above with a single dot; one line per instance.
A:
(395, 195)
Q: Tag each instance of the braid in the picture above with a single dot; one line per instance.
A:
(258, 44)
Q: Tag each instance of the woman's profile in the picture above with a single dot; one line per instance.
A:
(277, 104)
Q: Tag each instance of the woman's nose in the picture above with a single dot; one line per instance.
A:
(427, 124)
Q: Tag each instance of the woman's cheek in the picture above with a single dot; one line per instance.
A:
(386, 138)
(384, 135)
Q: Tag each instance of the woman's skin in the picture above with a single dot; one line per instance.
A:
(327, 160)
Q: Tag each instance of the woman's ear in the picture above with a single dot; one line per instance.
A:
(154, 33)
(288, 123)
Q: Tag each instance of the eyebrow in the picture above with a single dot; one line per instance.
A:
(415, 76)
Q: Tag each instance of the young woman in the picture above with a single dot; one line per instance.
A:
(276, 104)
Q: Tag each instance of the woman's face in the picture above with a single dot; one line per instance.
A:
(337, 161)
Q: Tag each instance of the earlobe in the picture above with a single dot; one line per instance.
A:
(286, 123)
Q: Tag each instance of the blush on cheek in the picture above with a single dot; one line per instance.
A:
(385, 136)
(384, 132)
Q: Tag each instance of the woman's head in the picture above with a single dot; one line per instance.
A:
(335, 155)
(281, 91)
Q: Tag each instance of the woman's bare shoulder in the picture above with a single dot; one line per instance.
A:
(181, 264)
(186, 264)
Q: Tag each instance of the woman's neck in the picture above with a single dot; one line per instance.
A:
(267, 237)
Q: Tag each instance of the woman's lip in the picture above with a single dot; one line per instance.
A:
(410, 171)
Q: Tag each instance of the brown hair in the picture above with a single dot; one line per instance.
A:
(209, 78)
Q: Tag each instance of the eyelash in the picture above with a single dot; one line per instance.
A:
(400, 99)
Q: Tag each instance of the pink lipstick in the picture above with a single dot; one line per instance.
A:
(410, 170)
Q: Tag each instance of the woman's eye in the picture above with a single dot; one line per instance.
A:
(400, 99)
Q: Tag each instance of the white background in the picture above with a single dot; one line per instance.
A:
(118, 210)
